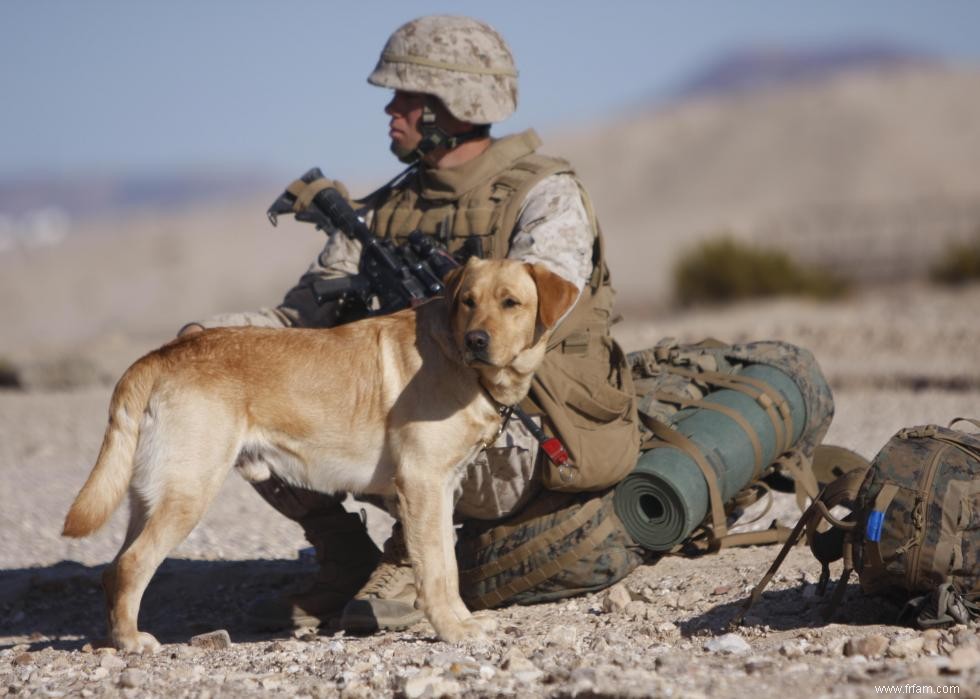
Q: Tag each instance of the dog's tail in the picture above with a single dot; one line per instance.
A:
(113, 470)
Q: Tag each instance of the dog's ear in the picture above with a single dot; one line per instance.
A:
(556, 295)
(451, 281)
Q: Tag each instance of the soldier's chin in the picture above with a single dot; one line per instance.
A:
(403, 153)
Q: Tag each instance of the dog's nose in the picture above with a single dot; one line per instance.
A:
(477, 340)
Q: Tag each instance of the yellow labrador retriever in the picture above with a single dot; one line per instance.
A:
(396, 403)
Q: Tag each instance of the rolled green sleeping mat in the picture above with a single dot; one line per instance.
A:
(666, 496)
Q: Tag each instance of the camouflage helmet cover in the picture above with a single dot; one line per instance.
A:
(463, 62)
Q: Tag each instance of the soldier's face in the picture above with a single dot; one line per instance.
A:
(404, 128)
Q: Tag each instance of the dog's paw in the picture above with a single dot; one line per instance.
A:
(470, 629)
(141, 643)
(486, 619)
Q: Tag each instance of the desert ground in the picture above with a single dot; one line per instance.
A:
(894, 357)
(873, 174)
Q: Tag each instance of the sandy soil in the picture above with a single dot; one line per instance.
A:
(894, 357)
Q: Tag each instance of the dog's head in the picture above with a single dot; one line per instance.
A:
(502, 312)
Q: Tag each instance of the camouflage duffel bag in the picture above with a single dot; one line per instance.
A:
(562, 545)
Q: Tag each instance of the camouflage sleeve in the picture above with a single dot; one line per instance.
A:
(299, 308)
(554, 230)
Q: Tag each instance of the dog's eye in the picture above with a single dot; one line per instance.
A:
(510, 302)
(469, 303)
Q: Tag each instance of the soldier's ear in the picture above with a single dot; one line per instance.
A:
(556, 295)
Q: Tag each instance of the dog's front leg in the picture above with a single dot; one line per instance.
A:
(426, 499)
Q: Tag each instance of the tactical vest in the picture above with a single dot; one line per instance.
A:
(584, 387)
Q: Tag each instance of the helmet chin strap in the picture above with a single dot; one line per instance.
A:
(434, 137)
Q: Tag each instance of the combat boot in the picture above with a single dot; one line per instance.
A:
(387, 600)
(345, 553)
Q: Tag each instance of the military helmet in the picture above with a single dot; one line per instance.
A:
(462, 61)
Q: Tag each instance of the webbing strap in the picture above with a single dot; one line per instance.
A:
(724, 410)
(872, 549)
(674, 438)
(549, 569)
(774, 535)
(794, 536)
(964, 419)
(771, 401)
(538, 543)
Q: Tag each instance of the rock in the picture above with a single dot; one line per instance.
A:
(964, 660)
(131, 677)
(931, 638)
(794, 649)
(963, 636)
(926, 667)
(905, 647)
(616, 598)
(637, 609)
(23, 659)
(689, 600)
(430, 685)
(872, 646)
(112, 662)
(755, 666)
(529, 676)
(214, 640)
(184, 652)
(667, 632)
(722, 590)
(729, 644)
(99, 673)
(562, 636)
(515, 661)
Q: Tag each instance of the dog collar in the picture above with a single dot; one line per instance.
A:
(551, 446)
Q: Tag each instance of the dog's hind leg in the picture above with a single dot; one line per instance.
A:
(164, 511)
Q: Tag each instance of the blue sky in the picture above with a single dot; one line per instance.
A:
(139, 86)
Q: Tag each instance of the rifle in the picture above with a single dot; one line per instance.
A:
(390, 277)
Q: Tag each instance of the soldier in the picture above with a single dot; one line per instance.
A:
(478, 195)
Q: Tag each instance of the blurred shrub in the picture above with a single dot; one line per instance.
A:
(723, 270)
(960, 263)
(9, 374)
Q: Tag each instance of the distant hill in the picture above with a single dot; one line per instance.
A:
(779, 66)
(89, 195)
(870, 171)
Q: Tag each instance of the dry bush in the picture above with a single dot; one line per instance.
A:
(723, 270)
(960, 263)
(9, 374)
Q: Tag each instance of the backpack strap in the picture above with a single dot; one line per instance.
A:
(765, 395)
(667, 435)
(737, 417)
(842, 490)
(943, 606)
(964, 419)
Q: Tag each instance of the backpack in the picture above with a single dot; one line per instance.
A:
(914, 529)
(563, 544)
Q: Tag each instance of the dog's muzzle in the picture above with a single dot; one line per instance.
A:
(477, 343)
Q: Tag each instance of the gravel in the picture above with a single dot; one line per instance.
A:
(663, 631)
